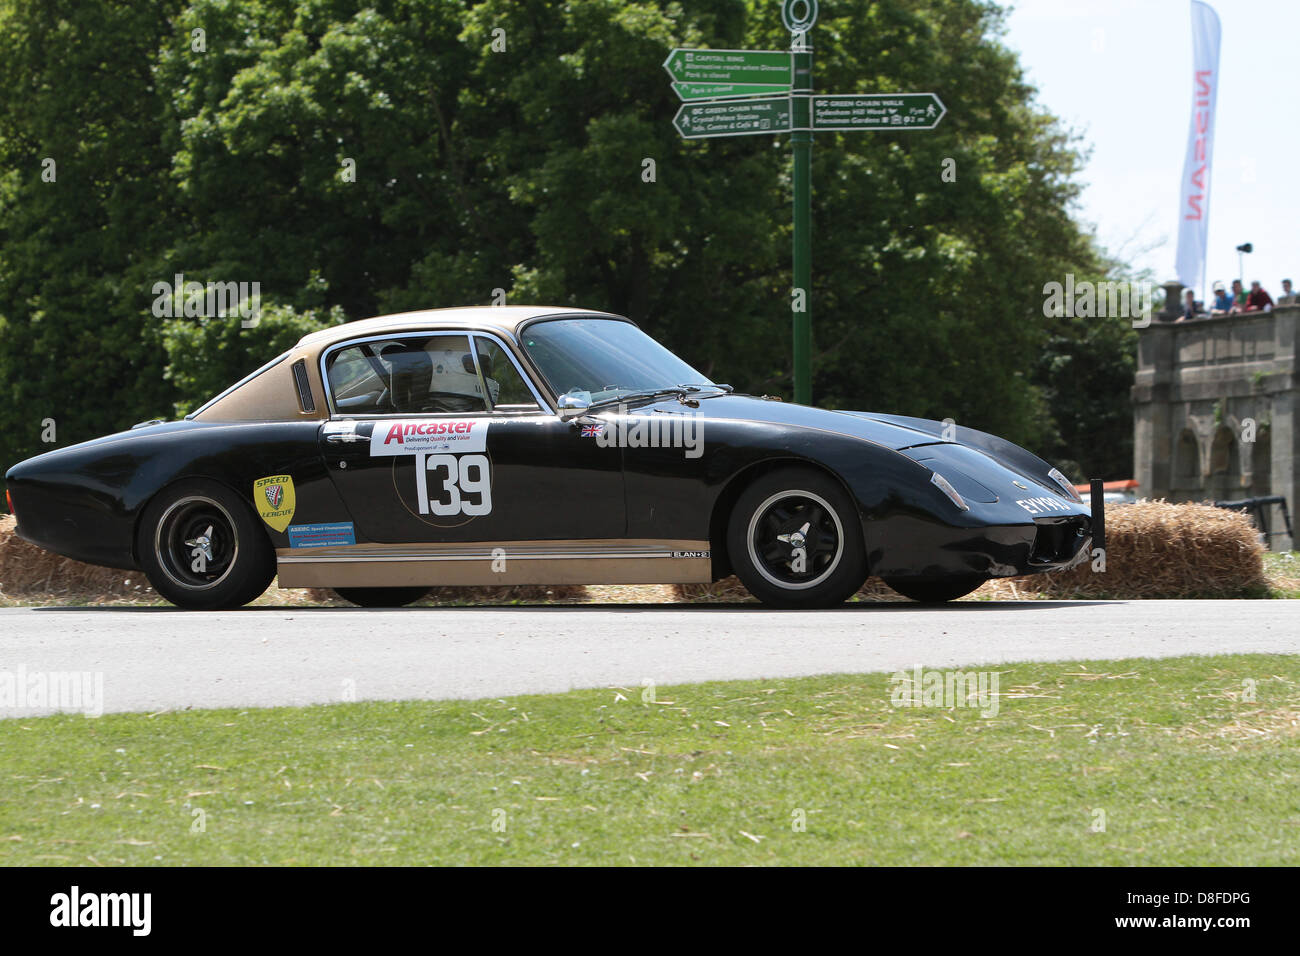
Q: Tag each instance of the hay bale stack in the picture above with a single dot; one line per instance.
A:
(26, 571)
(1155, 549)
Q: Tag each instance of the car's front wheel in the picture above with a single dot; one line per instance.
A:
(795, 540)
(381, 597)
(932, 591)
(202, 547)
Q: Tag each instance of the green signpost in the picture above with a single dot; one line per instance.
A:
(744, 92)
(733, 117)
(722, 91)
(893, 111)
(762, 67)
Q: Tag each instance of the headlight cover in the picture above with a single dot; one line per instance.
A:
(1064, 482)
(940, 482)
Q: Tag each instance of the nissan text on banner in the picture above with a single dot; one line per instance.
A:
(1194, 190)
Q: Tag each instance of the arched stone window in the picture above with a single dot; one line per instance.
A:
(1187, 460)
(1224, 457)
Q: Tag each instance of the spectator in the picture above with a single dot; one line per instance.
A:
(1238, 298)
(1258, 300)
(1286, 288)
(1190, 311)
(1222, 301)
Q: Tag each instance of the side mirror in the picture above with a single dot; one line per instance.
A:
(573, 405)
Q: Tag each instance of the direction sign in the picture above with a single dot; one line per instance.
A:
(733, 117)
(877, 111)
(723, 91)
(771, 68)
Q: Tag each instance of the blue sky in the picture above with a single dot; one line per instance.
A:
(1119, 72)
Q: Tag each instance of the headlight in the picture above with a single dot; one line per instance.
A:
(1064, 482)
(940, 482)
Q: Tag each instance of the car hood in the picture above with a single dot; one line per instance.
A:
(890, 431)
(921, 439)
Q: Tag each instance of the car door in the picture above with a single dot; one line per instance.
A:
(440, 437)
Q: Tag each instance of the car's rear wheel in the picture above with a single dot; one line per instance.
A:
(381, 597)
(202, 547)
(795, 540)
(936, 591)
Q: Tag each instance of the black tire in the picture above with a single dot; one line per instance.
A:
(200, 519)
(936, 591)
(381, 597)
(808, 508)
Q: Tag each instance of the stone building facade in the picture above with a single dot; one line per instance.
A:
(1215, 408)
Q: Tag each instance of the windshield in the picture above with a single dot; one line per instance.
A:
(606, 357)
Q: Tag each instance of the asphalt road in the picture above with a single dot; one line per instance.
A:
(155, 659)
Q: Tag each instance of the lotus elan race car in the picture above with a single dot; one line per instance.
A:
(529, 445)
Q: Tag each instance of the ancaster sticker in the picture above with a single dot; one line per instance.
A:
(275, 501)
(442, 435)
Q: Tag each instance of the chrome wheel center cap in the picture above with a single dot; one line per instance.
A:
(202, 544)
(797, 540)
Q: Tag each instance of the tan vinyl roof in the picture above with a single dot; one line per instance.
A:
(504, 317)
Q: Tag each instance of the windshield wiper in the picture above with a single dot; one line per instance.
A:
(681, 391)
(678, 390)
(726, 389)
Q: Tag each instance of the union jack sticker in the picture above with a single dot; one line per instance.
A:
(593, 431)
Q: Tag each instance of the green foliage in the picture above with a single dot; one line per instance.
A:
(75, 343)
(525, 169)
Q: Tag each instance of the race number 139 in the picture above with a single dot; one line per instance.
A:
(453, 485)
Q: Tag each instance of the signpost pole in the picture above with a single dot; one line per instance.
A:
(801, 141)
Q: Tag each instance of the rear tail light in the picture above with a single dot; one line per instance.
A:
(9, 500)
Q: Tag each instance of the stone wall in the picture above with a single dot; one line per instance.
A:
(1215, 406)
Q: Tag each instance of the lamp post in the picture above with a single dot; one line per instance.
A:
(1241, 269)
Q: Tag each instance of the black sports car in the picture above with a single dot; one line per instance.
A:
(524, 445)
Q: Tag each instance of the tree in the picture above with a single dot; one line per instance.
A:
(356, 157)
(82, 199)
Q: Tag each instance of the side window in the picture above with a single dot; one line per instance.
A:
(509, 392)
(354, 381)
(410, 375)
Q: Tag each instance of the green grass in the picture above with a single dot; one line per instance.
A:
(1283, 570)
(1186, 768)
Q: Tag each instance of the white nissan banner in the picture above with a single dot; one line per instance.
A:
(1194, 190)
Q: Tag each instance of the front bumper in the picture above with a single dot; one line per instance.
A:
(919, 547)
